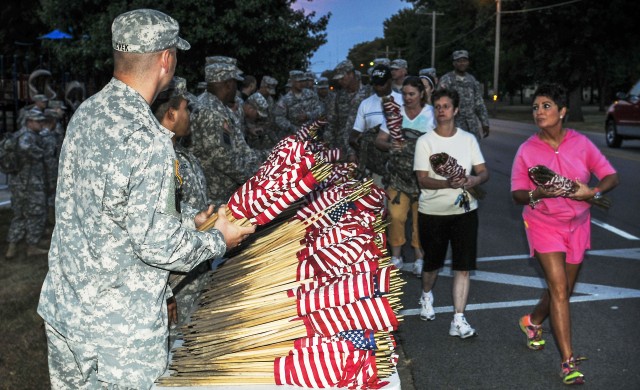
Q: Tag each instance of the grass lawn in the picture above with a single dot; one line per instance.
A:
(23, 352)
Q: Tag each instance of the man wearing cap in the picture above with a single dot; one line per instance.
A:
(171, 109)
(217, 136)
(258, 131)
(369, 119)
(472, 106)
(347, 101)
(268, 91)
(398, 74)
(118, 231)
(326, 97)
(28, 190)
(39, 104)
(299, 106)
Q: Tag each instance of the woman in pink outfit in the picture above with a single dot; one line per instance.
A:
(557, 222)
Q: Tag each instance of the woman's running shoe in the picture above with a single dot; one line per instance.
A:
(533, 332)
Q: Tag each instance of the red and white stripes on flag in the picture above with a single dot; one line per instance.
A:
(333, 364)
(348, 290)
(393, 116)
(375, 314)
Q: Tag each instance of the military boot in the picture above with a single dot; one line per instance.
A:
(33, 250)
(12, 250)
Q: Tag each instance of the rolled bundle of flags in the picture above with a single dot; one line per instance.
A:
(447, 166)
(546, 178)
(393, 116)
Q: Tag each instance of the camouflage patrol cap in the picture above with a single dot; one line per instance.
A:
(146, 31)
(177, 87)
(323, 83)
(260, 103)
(342, 69)
(220, 59)
(398, 63)
(57, 104)
(40, 98)
(382, 61)
(460, 54)
(220, 71)
(34, 115)
(270, 83)
(431, 72)
(309, 75)
(50, 113)
(297, 75)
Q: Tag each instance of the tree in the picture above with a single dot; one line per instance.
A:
(266, 36)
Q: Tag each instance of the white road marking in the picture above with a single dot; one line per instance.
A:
(586, 292)
(5, 203)
(614, 229)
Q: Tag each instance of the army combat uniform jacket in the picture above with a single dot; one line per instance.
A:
(218, 142)
(471, 108)
(117, 235)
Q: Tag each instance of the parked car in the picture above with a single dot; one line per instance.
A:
(623, 117)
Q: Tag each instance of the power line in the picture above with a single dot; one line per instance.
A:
(520, 11)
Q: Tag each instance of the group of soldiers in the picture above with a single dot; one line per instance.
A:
(232, 125)
(33, 187)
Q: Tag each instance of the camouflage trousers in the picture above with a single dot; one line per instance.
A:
(29, 215)
(187, 298)
(73, 365)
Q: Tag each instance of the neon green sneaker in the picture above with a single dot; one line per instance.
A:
(533, 332)
(570, 374)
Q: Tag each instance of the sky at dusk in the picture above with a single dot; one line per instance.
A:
(351, 22)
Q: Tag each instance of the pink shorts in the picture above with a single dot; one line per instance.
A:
(572, 240)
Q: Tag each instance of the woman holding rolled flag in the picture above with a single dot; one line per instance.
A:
(447, 212)
(550, 176)
(406, 122)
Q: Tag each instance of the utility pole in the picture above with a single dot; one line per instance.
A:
(422, 11)
(496, 60)
(433, 38)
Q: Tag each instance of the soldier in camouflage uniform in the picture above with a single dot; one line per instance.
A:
(344, 111)
(472, 106)
(217, 138)
(171, 109)
(327, 100)
(398, 74)
(39, 104)
(299, 106)
(28, 189)
(118, 232)
(258, 132)
(268, 90)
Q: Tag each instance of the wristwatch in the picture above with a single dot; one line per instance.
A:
(597, 195)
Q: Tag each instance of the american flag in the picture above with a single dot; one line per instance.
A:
(375, 314)
(341, 292)
(361, 338)
(393, 116)
(334, 364)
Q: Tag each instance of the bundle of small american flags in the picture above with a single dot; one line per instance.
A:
(312, 301)
(393, 116)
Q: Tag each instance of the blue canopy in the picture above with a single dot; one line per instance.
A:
(56, 34)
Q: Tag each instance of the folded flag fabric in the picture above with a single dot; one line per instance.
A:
(546, 178)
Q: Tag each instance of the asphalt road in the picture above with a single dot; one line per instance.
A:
(605, 307)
